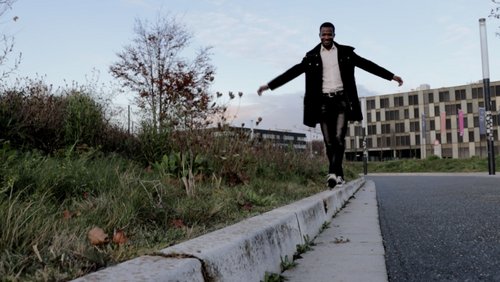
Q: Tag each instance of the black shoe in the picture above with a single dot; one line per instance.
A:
(331, 180)
(340, 180)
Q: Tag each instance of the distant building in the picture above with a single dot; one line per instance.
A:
(282, 139)
(426, 122)
(279, 139)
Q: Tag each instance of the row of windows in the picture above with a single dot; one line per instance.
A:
(404, 140)
(444, 96)
(450, 109)
(415, 126)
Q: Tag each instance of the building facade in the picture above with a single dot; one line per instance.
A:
(447, 122)
(281, 139)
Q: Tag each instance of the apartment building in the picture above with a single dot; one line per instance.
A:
(447, 122)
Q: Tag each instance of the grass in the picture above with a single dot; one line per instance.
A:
(49, 204)
(431, 164)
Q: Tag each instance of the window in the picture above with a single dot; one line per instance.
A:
(417, 139)
(369, 117)
(460, 94)
(386, 128)
(377, 115)
(469, 107)
(415, 126)
(432, 124)
(398, 101)
(413, 99)
(471, 136)
(358, 131)
(477, 93)
(407, 113)
(436, 111)
(416, 113)
(400, 127)
(384, 103)
(392, 115)
(369, 142)
(402, 140)
(450, 109)
(370, 104)
(372, 129)
(431, 97)
(444, 96)
(448, 123)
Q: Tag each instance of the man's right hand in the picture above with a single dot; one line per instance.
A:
(262, 89)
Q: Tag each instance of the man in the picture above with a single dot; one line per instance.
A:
(331, 98)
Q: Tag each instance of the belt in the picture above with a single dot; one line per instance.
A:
(334, 94)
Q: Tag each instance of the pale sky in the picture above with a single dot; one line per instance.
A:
(425, 42)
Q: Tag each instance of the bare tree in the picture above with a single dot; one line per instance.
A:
(171, 90)
(495, 12)
(7, 41)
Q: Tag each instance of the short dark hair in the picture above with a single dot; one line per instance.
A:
(327, 24)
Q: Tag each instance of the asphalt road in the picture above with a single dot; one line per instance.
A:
(440, 227)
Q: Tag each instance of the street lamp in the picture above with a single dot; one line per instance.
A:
(487, 96)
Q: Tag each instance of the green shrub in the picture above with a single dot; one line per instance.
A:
(83, 120)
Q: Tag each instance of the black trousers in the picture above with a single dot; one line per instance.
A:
(334, 128)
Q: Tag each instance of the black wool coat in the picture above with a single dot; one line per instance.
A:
(312, 66)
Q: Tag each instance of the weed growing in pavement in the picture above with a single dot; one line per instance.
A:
(273, 277)
(302, 248)
(286, 263)
(324, 226)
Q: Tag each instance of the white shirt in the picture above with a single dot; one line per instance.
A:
(331, 72)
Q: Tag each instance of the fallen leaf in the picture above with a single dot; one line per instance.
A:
(119, 237)
(178, 223)
(67, 214)
(97, 236)
(247, 206)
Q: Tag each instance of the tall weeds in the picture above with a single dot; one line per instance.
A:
(64, 169)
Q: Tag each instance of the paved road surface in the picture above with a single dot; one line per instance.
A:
(350, 250)
(440, 227)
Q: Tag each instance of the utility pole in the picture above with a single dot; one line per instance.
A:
(487, 96)
(363, 128)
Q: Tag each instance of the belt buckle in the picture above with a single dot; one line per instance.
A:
(334, 94)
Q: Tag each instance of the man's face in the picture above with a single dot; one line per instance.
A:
(326, 35)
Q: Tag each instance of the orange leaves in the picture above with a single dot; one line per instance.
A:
(98, 237)
(178, 223)
(119, 237)
(67, 214)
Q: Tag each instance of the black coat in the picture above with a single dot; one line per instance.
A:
(312, 66)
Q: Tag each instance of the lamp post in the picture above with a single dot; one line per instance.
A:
(363, 128)
(487, 97)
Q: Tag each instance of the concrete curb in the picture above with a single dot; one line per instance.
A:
(241, 252)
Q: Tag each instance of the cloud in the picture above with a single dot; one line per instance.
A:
(240, 34)
(277, 111)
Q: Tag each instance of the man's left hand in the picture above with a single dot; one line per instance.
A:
(398, 79)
